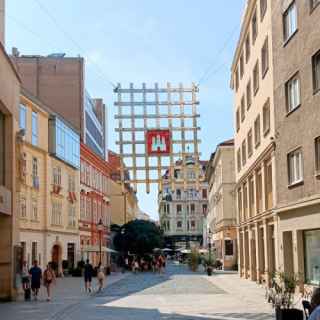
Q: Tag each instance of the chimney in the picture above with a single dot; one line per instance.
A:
(15, 52)
(2, 22)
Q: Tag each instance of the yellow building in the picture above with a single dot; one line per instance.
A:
(48, 185)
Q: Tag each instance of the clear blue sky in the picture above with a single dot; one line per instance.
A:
(140, 41)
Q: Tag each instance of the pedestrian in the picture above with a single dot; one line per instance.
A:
(100, 277)
(49, 278)
(25, 275)
(154, 264)
(160, 264)
(315, 305)
(88, 271)
(36, 276)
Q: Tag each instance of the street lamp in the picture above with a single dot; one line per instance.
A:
(100, 228)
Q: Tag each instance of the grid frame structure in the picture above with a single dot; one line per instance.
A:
(143, 109)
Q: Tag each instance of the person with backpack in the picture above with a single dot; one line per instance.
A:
(49, 278)
(88, 272)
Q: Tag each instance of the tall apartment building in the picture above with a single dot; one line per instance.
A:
(59, 82)
(182, 211)
(296, 50)
(252, 81)
(222, 215)
(48, 183)
(94, 207)
(9, 127)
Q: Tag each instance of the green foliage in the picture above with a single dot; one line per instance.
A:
(284, 286)
(194, 259)
(210, 259)
(138, 237)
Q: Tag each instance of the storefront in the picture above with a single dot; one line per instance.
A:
(312, 256)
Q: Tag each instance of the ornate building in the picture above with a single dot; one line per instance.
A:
(183, 209)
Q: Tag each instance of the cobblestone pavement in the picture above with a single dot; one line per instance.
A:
(177, 295)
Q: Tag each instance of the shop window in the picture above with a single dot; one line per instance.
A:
(312, 256)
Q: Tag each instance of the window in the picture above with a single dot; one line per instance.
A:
(263, 8)
(254, 24)
(34, 210)
(192, 208)
(259, 191)
(191, 175)
(72, 221)
(204, 194)
(268, 186)
(35, 178)
(250, 143)
(239, 160)
(240, 204)
(316, 71)
(244, 152)
(238, 120)
(265, 58)
(243, 109)
(295, 173)
(179, 208)
(204, 209)
(290, 25)
(56, 176)
(23, 207)
(266, 117)
(193, 224)
(34, 252)
(312, 256)
(237, 79)
(317, 146)
(245, 200)
(256, 78)
(314, 3)
(251, 196)
(34, 138)
(257, 133)
(228, 247)
(241, 66)
(249, 96)
(2, 148)
(88, 209)
(293, 93)
(56, 217)
(178, 194)
(71, 183)
(23, 117)
(179, 224)
(82, 207)
(247, 45)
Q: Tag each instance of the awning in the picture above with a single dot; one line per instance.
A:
(97, 249)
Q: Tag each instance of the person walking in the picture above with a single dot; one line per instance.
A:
(315, 305)
(36, 276)
(49, 278)
(88, 271)
(25, 275)
(100, 277)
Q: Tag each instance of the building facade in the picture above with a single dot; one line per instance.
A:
(222, 214)
(252, 82)
(48, 180)
(9, 127)
(296, 46)
(94, 207)
(59, 82)
(182, 211)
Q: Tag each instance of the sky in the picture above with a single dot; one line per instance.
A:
(177, 41)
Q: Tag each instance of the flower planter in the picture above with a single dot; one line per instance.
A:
(289, 314)
(209, 271)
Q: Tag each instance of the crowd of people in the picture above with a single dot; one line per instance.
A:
(154, 263)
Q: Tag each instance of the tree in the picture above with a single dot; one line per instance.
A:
(138, 237)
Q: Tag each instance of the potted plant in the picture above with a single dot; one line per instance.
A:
(284, 286)
(209, 264)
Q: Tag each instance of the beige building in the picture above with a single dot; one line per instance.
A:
(252, 81)
(222, 215)
(296, 47)
(48, 186)
(182, 210)
(9, 117)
